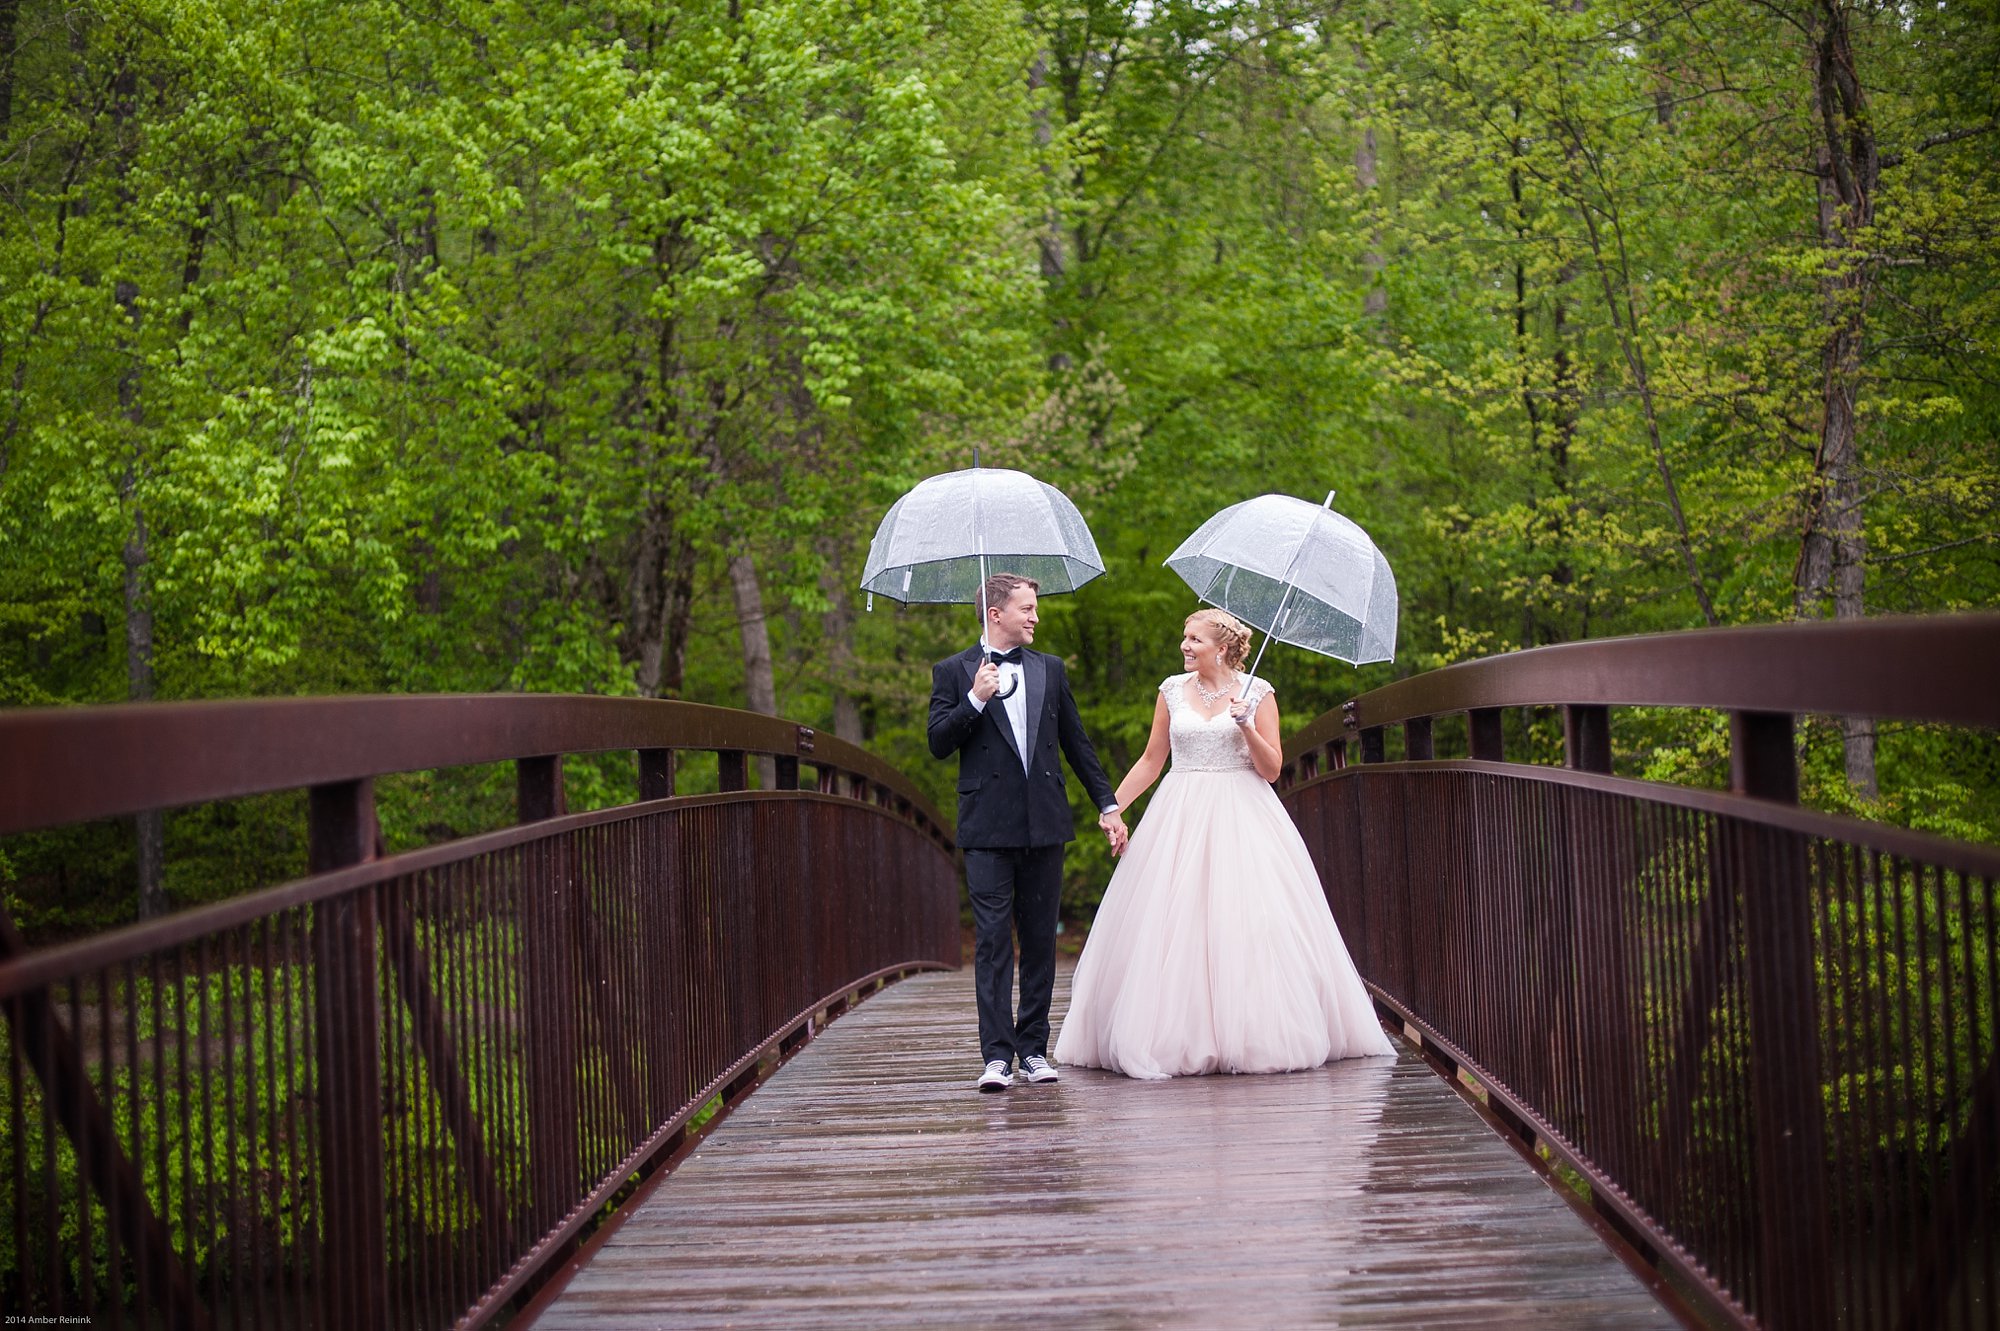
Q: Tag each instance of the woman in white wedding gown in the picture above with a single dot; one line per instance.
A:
(1213, 950)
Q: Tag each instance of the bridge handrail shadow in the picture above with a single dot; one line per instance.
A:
(399, 1090)
(1760, 1039)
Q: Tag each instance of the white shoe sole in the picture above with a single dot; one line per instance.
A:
(991, 1085)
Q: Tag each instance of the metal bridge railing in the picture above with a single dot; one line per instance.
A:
(1765, 1038)
(393, 1093)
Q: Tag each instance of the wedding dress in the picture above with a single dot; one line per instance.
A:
(1213, 950)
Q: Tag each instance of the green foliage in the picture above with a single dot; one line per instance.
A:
(480, 348)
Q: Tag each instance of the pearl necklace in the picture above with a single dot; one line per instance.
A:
(1210, 697)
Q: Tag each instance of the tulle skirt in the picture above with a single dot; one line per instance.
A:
(1213, 950)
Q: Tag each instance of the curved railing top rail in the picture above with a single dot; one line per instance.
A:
(1932, 668)
(63, 765)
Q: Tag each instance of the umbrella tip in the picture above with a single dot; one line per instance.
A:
(1329, 498)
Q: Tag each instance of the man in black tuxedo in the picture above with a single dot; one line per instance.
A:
(1005, 710)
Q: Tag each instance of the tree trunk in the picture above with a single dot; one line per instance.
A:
(837, 628)
(760, 692)
(10, 19)
(646, 607)
(679, 614)
(148, 828)
(1833, 549)
(1564, 414)
(1050, 238)
(1614, 272)
(1376, 300)
(660, 603)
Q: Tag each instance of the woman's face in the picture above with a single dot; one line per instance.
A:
(1198, 646)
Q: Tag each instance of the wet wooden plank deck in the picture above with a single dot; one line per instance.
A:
(868, 1184)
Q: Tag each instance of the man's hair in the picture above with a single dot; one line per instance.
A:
(1000, 588)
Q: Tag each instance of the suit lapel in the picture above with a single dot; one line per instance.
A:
(1034, 679)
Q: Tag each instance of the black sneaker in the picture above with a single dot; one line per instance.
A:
(996, 1077)
(1035, 1068)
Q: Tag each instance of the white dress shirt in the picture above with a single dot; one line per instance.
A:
(1015, 704)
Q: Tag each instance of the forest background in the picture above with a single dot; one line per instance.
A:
(432, 345)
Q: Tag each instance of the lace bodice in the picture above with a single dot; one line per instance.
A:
(1214, 744)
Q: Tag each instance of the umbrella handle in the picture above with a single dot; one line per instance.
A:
(1013, 684)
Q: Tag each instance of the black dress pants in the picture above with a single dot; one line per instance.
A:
(1014, 890)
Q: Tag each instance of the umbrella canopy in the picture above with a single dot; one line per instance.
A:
(940, 540)
(1300, 572)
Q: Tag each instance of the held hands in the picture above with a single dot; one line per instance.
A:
(1113, 824)
(986, 682)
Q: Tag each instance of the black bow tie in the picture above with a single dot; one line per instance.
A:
(1012, 654)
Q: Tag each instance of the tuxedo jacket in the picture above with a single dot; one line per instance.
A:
(1003, 804)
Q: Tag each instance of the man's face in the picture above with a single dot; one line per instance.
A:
(1013, 624)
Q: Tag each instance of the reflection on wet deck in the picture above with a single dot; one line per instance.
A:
(868, 1184)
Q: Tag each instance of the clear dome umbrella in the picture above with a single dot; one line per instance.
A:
(1303, 574)
(939, 541)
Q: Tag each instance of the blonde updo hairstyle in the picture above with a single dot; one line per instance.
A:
(1231, 634)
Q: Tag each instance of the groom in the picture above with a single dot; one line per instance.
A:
(1004, 710)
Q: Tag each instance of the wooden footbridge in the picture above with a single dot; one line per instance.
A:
(1667, 1054)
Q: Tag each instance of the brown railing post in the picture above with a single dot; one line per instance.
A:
(1794, 1240)
(1417, 747)
(347, 1031)
(548, 1000)
(1484, 736)
(656, 774)
(1596, 844)
(1763, 761)
(538, 788)
(788, 766)
(1587, 738)
(1372, 750)
(731, 772)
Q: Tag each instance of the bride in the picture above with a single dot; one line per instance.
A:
(1214, 950)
